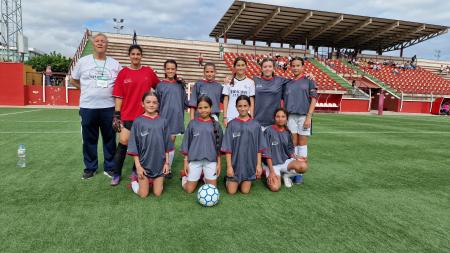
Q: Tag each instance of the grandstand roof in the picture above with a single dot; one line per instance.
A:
(271, 23)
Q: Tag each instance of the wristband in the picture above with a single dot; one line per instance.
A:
(117, 114)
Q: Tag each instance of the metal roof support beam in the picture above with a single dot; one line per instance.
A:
(260, 26)
(326, 27)
(232, 20)
(376, 34)
(352, 31)
(414, 41)
(410, 32)
(288, 30)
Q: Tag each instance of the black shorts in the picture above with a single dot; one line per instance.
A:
(128, 124)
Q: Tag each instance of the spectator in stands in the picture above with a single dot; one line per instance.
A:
(395, 71)
(446, 70)
(353, 87)
(95, 75)
(281, 64)
(445, 109)
(48, 75)
(200, 60)
(221, 51)
(441, 69)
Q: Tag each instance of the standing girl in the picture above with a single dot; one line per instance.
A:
(268, 93)
(207, 87)
(283, 158)
(240, 85)
(300, 96)
(201, 147)
(172, 97)
(149, 144)
(131, 83)
(243, 144)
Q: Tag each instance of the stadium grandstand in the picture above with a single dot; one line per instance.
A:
(349, 79)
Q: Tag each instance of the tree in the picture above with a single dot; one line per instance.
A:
(58, 62)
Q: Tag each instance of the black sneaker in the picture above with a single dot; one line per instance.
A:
(109, 173)
(88, 175)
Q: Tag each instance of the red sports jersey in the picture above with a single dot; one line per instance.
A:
(130, 86)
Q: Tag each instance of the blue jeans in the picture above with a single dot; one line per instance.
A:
(93, 120)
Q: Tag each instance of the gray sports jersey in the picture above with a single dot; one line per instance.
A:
(297, 95)
(150, 140)
(211, 89)
(280, 144)
(172, 103)
(268, 94)
(244, 140)
(199, 141)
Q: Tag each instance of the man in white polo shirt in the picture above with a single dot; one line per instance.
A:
(95, 75)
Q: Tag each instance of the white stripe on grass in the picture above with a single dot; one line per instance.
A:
(13, 113)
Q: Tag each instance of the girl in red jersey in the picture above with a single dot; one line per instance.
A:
(131, 83)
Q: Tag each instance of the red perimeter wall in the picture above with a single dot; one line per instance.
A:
(12, 84)
(355, 105)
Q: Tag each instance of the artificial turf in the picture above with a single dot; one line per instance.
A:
(375, 184)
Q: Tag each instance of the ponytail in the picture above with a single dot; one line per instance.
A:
(216, 134)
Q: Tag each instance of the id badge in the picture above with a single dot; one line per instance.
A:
(102, 83)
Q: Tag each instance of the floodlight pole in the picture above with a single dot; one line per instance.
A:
(118, 24)
(11, 22)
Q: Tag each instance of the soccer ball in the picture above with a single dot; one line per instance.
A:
(208, 195)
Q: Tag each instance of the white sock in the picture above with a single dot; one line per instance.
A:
(171, 155)
(303, 151)
(297, 150)
(135, 186)
(183, 180)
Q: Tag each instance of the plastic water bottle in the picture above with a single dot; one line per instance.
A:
(21, 156)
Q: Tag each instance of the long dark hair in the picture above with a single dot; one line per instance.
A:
(267, 60)
(214, 122)
(239, 58)
(181, 82)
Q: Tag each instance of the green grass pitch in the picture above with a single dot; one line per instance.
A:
(375, 184)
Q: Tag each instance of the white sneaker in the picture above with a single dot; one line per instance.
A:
(183, 181)
(287, 180)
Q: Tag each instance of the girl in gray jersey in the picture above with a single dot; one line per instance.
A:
(281, 149)
(207, 87)
(173, 102)
(300, 96)
(201, 147)
(150, 144)
(268, 93)
(243, 144)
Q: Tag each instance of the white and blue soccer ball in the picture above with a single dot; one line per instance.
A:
(208, 195)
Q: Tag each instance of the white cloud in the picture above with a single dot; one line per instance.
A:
(58, 25)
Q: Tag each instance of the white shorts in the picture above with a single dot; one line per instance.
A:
(295, 124)
(197, 167)
(279, 168)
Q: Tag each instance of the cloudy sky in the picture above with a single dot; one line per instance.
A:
(54, 25)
